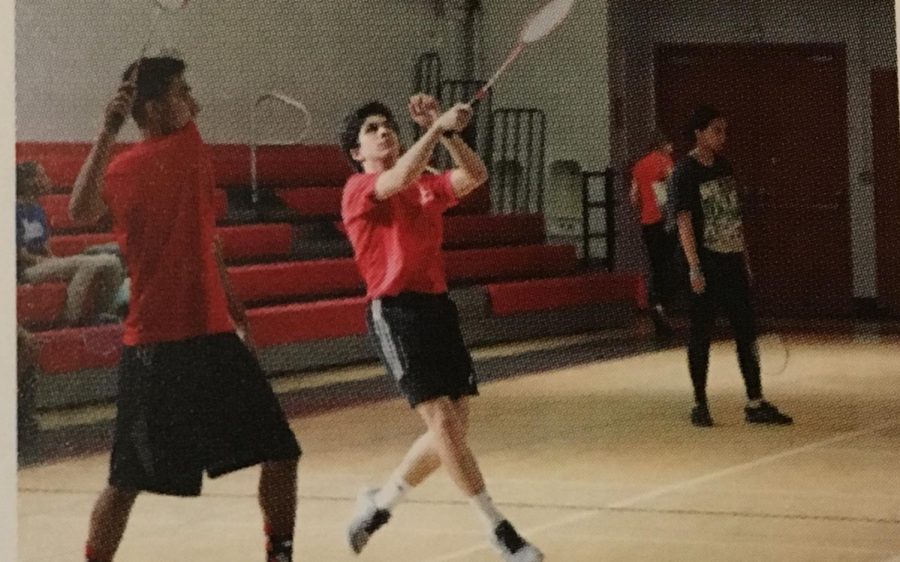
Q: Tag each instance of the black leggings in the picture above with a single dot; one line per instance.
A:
(660, 245)
(728, 288)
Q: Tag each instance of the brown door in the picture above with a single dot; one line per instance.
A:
(886, 150)
(786, 107)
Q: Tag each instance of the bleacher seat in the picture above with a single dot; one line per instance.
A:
(56, 207)
(570, 292)
(309, 321)
(270, 282)
(76, 349)
(40, 304)
(73, 244)
(306, 279)
(312, 201)
(467, 231)
(502, 259)
(514, 262)
(256, 241)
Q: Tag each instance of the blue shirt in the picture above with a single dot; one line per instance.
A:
(32, 230)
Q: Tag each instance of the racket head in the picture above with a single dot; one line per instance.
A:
(545, 20)
(774, 354)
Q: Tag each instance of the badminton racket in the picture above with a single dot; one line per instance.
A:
(160, 6)
(538, 25)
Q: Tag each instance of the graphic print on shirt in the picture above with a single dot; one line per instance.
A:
(661, 190)
(723, 231)
(33, 230)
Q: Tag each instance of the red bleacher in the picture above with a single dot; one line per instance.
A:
(493, 230)
(513, 262)
(238, 242)
(299, 165)
(256, 241)
(40, 304)
(280, 165)
(308, 321)
(269, 282)
(312, 201)
(78, 349)
(61, 160)
(304, 279)
(75, 349)
(56, 206)
(97, 347)
(326, 201)
(73, 244)
(506, 254)
(232, 164)
(570, 292)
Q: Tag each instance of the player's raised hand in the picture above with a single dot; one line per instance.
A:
(424, 110)
(118, 109)
(455, 119)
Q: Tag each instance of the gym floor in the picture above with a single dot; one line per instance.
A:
(592, 459)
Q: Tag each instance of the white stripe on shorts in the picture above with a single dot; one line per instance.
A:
(388, 347)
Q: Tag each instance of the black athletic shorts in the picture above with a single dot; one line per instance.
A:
(194, 405)
(418, 338)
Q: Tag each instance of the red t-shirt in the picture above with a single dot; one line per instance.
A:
(160, 193)
(397, 242)
(649, 170)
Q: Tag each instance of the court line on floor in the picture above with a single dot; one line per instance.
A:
(518, 505)
(676, 486)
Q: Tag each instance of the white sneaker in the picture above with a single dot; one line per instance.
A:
(512, 546)
(367, 520)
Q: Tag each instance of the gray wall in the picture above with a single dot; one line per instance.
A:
(565, 75)
(332, 54)
(866, 27)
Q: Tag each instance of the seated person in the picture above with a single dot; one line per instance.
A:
(36, 264)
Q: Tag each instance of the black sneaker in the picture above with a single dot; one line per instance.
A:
(282, 551)
(662, 329)
(700, 416)
(279, 557)
(512, 546)
(766, 413)
(367, 520)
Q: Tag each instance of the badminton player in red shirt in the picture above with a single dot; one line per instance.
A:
(393, 213)
(192, 396)
(649, 195)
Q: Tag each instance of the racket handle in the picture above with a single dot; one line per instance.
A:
(479, 95)
(513, 55)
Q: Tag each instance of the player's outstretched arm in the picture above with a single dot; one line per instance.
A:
(86, 204)
(470, 172)
(424, 111)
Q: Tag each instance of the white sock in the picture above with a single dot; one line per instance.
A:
(485, 506)
(391, 493)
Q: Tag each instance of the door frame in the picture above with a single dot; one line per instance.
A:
(887, 216)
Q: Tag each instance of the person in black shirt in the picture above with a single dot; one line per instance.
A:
(712, 236)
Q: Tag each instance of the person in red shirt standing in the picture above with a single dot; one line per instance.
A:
(192, 395)
(392, 211)
(649, 195)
